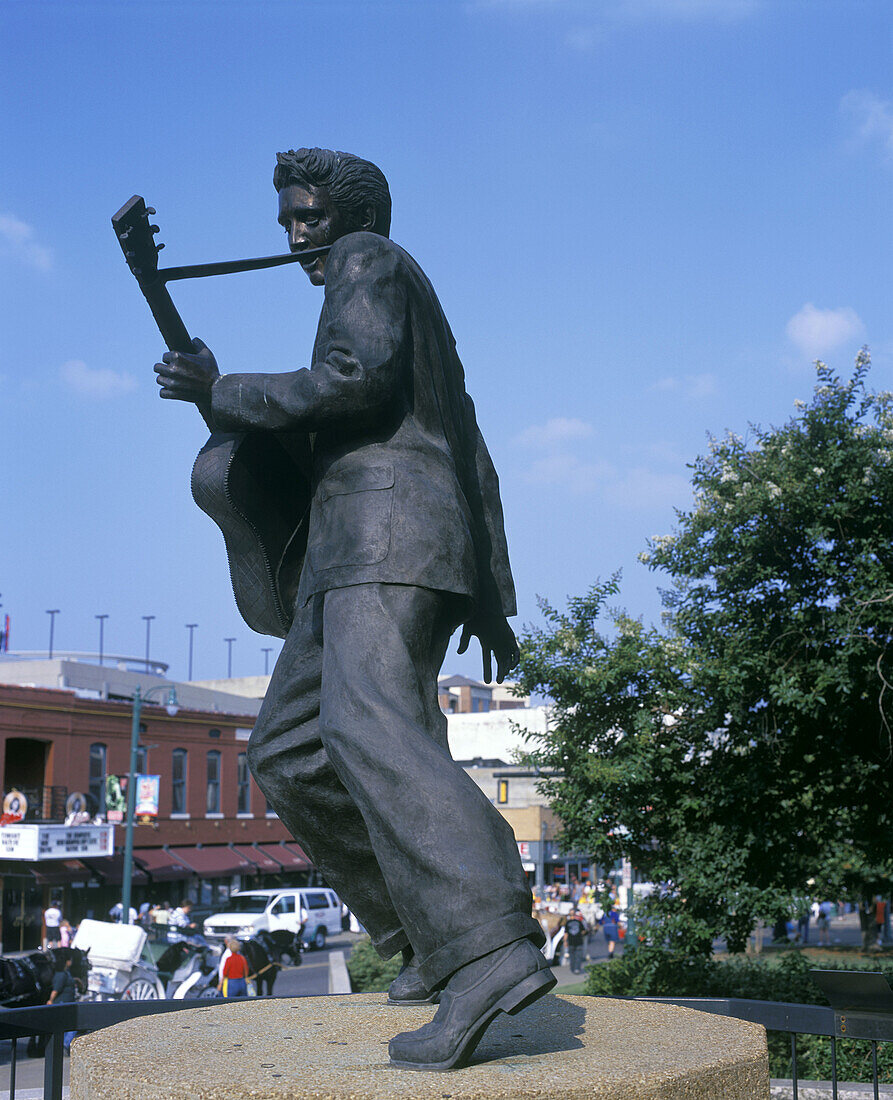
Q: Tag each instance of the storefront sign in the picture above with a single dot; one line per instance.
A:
(524, 849)
(34, 842)
(147, 788)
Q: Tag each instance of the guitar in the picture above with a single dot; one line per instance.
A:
(254, 485)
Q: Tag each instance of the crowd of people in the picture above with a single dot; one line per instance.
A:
(572, 916)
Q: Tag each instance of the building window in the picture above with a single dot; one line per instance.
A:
(213, 782)
(503, 792)
(178, 782)
(244, 803)
(97, 775)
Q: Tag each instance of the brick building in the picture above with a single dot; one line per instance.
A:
(213, 833)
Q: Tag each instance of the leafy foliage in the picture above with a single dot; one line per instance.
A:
(369, 973)
(745, 749)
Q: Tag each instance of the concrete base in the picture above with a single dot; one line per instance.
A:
(560, 1047)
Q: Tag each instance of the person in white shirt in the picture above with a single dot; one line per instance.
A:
(52, 918)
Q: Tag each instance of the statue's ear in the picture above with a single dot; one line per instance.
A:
(368, 216)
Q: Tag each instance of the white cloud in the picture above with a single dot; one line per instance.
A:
(559, 429)
(640, 487)
(569, 472)
(694, 386)
(17, 241)
(816, 332)
(95, 381)
(871, 116)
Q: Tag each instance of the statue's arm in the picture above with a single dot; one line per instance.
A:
(359, 378)
(495, 597)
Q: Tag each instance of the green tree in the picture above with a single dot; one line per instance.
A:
(746, 748)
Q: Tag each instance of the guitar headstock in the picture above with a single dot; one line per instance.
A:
(137, 238)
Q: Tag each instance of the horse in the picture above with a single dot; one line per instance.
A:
(261, 966)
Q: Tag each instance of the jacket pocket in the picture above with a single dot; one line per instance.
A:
(353, 525)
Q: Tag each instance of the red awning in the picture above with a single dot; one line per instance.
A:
(213, 860)
(263, 863)
(295, 859)
(161, 865)
(49, 872)
(57, 872)
(111, 868)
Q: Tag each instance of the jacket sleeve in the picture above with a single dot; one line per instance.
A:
(496, 587)
(361, 341)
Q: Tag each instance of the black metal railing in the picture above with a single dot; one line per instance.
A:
(49, 1023)
(861, 1008)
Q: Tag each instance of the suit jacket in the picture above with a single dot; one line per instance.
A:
(404, 490)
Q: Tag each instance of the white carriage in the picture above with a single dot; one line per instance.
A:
(120, 968)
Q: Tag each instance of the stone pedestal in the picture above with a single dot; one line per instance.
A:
(560, 1047)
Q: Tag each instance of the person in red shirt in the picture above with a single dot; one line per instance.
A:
(234, 979)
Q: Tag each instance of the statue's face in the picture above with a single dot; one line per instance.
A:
(310, 221)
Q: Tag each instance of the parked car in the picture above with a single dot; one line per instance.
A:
(251, 911)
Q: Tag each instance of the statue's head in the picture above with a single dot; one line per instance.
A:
(356, 187)
(322, 196)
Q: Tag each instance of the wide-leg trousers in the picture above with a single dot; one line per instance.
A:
(350, 749)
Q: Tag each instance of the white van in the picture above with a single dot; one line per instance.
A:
(251, 911)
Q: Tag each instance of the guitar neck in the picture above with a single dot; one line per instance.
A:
(170, 323)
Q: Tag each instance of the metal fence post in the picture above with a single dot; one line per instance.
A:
(52, 1067)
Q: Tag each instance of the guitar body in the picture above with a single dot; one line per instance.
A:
(254, 485)
(256, 488)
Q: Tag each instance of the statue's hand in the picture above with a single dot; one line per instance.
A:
(186, 376)
(497, 640)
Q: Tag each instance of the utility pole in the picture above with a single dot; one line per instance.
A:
(229, 657)
(52, 615)
(266, 650)
(102, 619)
(191, 628)
(148, 619)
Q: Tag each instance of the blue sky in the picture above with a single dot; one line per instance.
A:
(644, 219)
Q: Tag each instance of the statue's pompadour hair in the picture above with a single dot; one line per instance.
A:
(353, 184)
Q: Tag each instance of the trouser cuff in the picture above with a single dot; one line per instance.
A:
(471, 945)
(391, 943)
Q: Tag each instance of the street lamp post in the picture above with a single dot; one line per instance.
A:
(52, 614)
(171, 707)
(102, 619)
(229, 657)
(191, 628)
(148, 619)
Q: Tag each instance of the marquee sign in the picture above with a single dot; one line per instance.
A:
(36, 842)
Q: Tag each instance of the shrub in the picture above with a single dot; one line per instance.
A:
(369, 973)
(651, 972)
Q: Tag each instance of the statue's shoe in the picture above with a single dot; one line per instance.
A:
(506, 980)
(409, 989)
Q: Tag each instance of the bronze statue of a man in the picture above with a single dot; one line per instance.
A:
(405, 542)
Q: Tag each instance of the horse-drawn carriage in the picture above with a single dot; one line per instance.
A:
(120, 967)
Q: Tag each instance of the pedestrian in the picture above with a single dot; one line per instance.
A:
(180, 925)
(575, 929)
(64, 991)
(66, 934)
(234, 981)
(821, 923)
(52, 918)
(117, 910)
(611, 929)
(880, 913)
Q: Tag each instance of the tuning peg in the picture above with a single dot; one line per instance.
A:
(158, 247)
(129, 255)
(153, 228)
(124, 234)
(150, 210)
